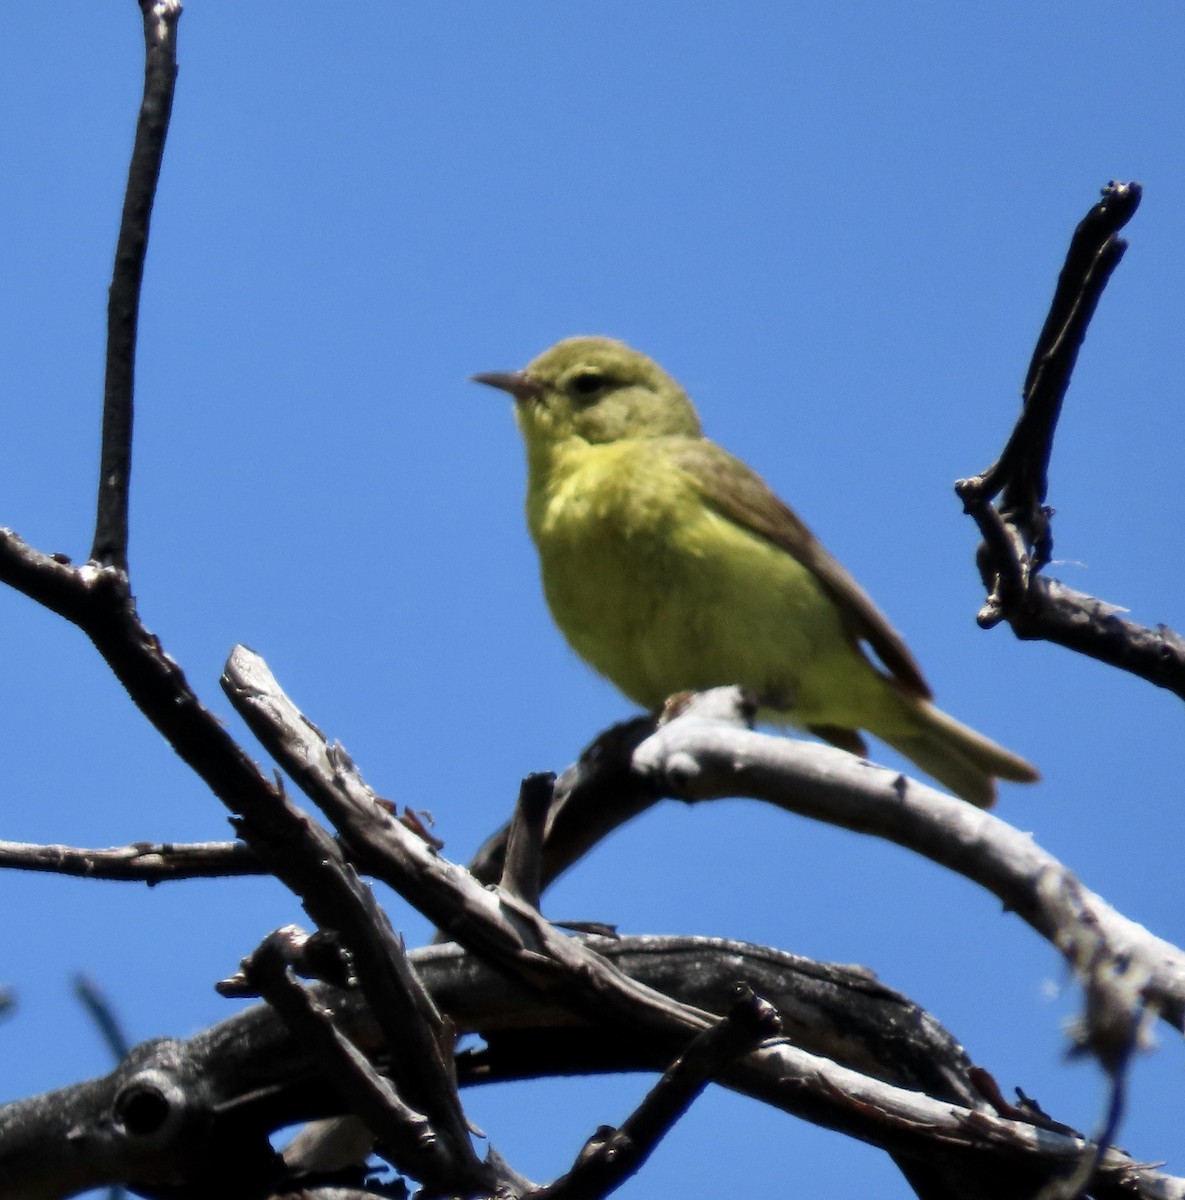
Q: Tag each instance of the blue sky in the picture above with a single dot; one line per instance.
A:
(839, 226)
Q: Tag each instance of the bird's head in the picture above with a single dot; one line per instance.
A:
(598, 390)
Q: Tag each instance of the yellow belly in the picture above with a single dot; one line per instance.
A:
(659, 593)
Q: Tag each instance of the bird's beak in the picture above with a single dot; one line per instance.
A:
(518, 383)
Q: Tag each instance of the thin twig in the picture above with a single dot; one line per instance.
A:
(404, 1135)
(110, 546)
(1113, 1030)
(600, 783)
(141, 862)
(1094, 253)
(524, 843)
(103, 1015)
(614, 1155)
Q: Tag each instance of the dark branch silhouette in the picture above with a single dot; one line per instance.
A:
(110, 546)
(1018, 534)
(406, 1136)
(613, 1155)
(524, 841)
(99, 1007)
(208, 1102)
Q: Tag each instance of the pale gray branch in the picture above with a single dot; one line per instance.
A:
(1124, 968)
(515, 938)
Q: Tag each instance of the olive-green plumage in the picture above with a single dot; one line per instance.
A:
(669, 565)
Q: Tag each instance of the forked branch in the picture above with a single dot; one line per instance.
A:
(1017, 533)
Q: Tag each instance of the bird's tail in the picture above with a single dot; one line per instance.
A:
(959, 758)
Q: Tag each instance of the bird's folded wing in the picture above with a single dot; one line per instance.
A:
(742, 496)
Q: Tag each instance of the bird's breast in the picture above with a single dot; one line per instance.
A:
(617, 528)
(602, 495)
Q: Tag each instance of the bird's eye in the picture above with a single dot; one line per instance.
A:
(587, 383)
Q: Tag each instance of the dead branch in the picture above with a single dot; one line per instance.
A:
(1018, 534)
(1124, 969)
(709, 753)
(110, 546)
(613, 1155)
(213, 1098)
(407, 1137)
(516, 938)
(141, 862)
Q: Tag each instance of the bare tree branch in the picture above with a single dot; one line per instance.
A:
(707, 753)
(614, 1155)
(110, 546)
(103, 1015)
(1018, 536)
(249, 1075)
(407, 1137)
(524, 843)
(141, 862)
(1123, 968)
(1021, 472)
(518, 940)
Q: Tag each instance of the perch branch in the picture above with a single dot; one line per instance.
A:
(517, 940)
(708, 753)
(1123, 968)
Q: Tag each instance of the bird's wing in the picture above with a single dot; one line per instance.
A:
(741, 495)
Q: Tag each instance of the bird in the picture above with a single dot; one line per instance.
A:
(671, 566)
